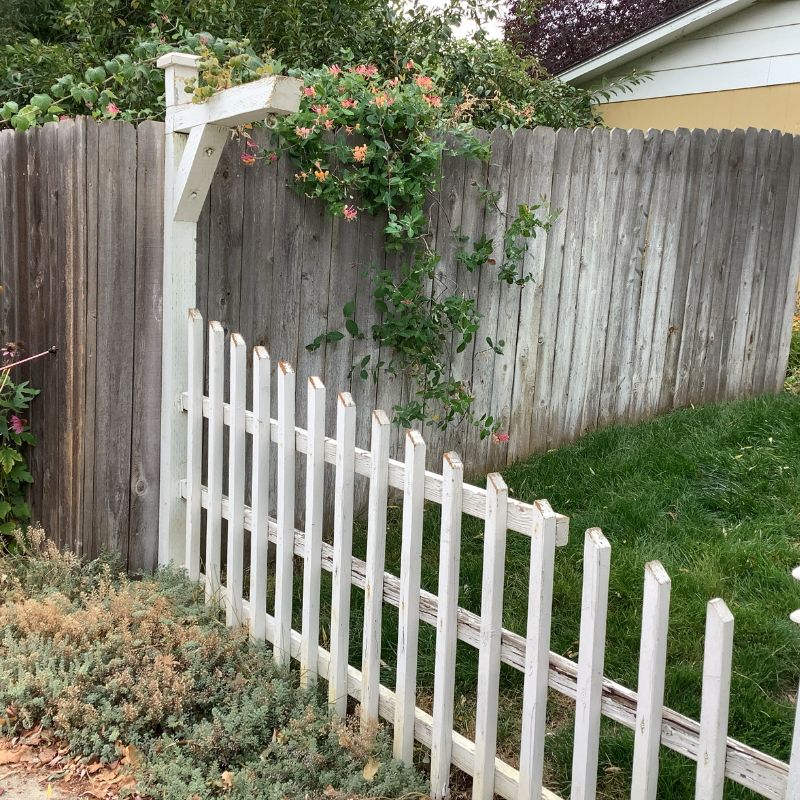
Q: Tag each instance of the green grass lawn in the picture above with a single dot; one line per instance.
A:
(714, 494)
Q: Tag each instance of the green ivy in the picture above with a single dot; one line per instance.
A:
(366, 143)
(15, 436)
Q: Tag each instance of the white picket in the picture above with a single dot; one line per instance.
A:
(284, 550)
(537, 654)
(376, 556)
(259, 537)
(216, 397)
(312, 561)
(410, 577)
(652, 667)
(793, 782)
(591, 654)
(234, 614)
(717, 656)
(584, 681)
(444, 677)
(342, 553)
(494, 556)
(194, 445)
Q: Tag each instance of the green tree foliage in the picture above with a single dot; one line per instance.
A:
(63, 57)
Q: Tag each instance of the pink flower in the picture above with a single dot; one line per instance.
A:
(335, 69)
(360, 153)
(320, 110)
(424, 82)
(434, 101)
(17, 424)
(349, 213)
(328, 124)
(383, 100)
(309, 91)
(501, 438)
(394, 81)
(248, 158)
(112, 109)
(349, 103)
(63, 117)
(303, 133)
(410, 65)
(252, 144)
(366, 70)
(273, 157)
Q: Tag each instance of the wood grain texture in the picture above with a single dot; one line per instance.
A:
(667, 278)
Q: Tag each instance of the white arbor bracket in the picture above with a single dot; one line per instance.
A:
(195, 137)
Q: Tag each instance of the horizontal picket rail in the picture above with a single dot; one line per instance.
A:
(706, 742)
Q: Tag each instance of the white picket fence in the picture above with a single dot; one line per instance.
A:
(717, 756)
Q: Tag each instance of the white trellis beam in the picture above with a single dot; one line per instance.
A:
(195, 136)
(240, 105)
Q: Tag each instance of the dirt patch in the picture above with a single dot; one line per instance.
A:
(26, 786)
(38, 766)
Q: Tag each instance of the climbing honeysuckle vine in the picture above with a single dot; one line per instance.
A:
(365, 143)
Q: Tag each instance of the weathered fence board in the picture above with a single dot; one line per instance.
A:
(666, 279)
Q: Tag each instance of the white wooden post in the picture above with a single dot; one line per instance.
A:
(591, 655)
(284, 550)
(494, 559)
(410, 577)
(259, 536)
(312, 567)
(341, 579)
(793, 785)
(234, 615)
(713, 745)
(537, 653)
(652, 666)
(376, 557)
(179, 295)
(194, 454)
(195, 135)
(216, 389)
(444, 677)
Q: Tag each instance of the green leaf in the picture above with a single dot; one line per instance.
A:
(352, 327)
(5, 508)
(349, 308)
(334, 336)
(41, 102)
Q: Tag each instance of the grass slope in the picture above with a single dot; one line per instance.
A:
(714, 494)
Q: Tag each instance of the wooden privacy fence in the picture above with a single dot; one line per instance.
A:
(667, 279)
(222, 571)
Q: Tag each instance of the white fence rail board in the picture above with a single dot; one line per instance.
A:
(591, 657)
(342, 553)
(652, 667)
(376, 557)
(410, 576)
(312, 558)
(285, 513)
(494, 558)
(716, 698)
(259, 537)
(446, 626)
(706, 742)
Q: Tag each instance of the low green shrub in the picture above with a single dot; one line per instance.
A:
(105, 661)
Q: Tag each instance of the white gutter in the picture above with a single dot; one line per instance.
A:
(654, 38)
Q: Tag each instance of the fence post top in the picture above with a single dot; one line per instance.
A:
(176, 59)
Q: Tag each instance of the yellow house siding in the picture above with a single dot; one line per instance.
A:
(759, 107)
